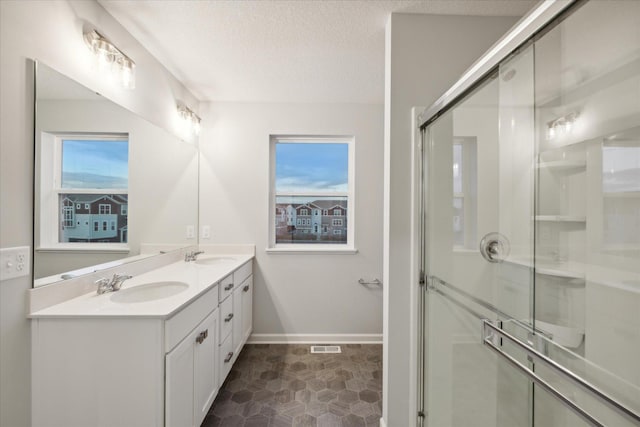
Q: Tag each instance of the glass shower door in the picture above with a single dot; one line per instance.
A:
(479, 250)
(532, 234)
(587, 275)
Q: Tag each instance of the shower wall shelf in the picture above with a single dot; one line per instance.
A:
(561, 218)
(562, 165)
(622, 195)
(554, 272)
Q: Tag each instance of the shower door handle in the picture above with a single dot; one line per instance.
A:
(494, 247)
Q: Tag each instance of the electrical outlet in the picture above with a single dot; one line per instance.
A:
(191, 232)
(14, 262)
(206, 232)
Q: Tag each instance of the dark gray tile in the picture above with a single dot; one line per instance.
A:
(286, 385)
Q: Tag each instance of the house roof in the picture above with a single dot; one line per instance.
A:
(92, 198)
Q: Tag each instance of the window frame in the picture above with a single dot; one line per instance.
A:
(49, 188)
(313, 248)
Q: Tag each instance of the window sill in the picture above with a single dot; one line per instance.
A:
(311, 251)
(86, 247)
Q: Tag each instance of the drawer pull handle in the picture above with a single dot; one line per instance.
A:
(202, 336)
(246, 288)
(228, 287)
(229, 317)
(228, 358)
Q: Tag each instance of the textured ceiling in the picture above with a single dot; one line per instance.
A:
(280, 51)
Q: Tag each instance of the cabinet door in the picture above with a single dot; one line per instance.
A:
(247, 308)
(191, 375)
(237, 322)
(179, 383)
(205, 366)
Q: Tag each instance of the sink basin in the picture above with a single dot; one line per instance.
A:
(149, 292)
(214, 260)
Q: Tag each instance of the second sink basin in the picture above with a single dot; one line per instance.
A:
(149, 292)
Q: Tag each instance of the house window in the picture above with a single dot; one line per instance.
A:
(317, 173)
(67, 216)
(104, 209)
(336, 222)
(124, 210)
(337, 232)
(90, 173)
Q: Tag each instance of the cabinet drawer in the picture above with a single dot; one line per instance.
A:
(226, 318)
(177, 327)
(241, 274)
(226, 359)
(226, 287)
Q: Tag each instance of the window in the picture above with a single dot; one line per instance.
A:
(67, 216)
(104, 209)
(337, 232)
(313, 177)
(83, 180)
(464, 193)
(336, 222)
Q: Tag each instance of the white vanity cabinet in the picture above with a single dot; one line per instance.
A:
(101, 364)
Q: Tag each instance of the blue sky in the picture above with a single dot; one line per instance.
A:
(95, 164)
(309, 167)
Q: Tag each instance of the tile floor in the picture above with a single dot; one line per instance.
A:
(285, 385)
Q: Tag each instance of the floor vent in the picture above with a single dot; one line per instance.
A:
(326, 349)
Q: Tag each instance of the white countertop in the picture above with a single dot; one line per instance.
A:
(199, 277)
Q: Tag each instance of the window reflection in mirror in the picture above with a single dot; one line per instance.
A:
(621, 192)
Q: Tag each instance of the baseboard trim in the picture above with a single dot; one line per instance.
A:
(315, 339)
(382, 423)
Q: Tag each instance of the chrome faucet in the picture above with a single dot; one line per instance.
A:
(111, 285)
(192, 255)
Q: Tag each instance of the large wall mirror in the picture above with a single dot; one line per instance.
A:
(109, 186)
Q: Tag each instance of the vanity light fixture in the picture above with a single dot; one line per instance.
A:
(111, 57)
(562, 125)
(190, 119)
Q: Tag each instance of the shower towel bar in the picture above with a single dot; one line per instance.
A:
(375, 282)
(490, 330)
(545, 385)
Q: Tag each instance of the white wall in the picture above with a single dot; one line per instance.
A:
(51, 31)
(425, 54)
(295, 294)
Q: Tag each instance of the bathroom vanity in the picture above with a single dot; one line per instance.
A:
(152, 354)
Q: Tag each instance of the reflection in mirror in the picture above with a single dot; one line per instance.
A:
(108, 184)
(621, 193)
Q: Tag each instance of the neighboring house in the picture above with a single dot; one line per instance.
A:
(325, 219)
(94, 218)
